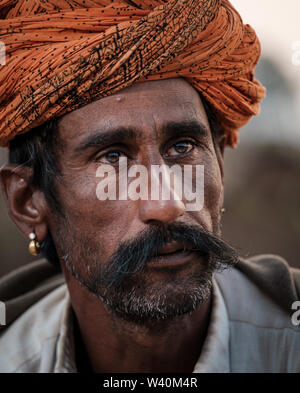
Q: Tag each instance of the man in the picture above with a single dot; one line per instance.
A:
(127, 87)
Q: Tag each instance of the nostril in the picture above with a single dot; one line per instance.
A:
(160, 211)
(154, 222)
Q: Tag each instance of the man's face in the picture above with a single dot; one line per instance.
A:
(155, 259)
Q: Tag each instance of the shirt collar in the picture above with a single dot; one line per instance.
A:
(65, 348)
(214, 357)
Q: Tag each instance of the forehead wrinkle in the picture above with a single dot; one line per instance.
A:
(184, 107)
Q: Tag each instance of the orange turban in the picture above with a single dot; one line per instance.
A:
(64, 54)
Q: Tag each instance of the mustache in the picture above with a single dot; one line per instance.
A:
(132, 256)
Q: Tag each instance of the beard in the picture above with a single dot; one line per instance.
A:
(137, 293)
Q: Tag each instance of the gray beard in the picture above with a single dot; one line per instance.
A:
(141, 303)
(139, 298)
(158, 304)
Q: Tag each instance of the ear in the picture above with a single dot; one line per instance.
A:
(26, 204)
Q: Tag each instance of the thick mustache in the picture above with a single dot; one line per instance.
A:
(132, 256)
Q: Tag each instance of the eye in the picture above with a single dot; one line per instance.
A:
(111, 157)
(182, 147)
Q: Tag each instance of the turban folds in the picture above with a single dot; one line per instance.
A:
(64, 54)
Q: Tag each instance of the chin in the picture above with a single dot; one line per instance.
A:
(143, 304)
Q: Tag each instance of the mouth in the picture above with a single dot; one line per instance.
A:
(172, 254)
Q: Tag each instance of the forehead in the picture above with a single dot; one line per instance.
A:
(145, 106)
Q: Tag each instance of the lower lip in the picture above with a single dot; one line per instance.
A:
(172, 259)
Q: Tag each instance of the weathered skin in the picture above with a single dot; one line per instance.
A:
(108, 343)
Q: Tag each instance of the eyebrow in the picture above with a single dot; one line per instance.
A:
(191, 127)
(119, 135)
(106, 138)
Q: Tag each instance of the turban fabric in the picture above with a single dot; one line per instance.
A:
(64, 54)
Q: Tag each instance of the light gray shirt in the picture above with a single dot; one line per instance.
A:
(248, 332)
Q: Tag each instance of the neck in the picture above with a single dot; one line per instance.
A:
(108, 343)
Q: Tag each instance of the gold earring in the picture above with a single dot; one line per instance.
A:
(34, 246)
(223, 210)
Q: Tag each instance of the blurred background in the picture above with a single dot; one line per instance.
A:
(263, 173)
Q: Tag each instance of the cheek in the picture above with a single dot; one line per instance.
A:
(209, 215)
(103, 223)
(213, 189)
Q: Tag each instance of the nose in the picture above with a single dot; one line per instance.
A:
(163, 203)
(160, 210)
